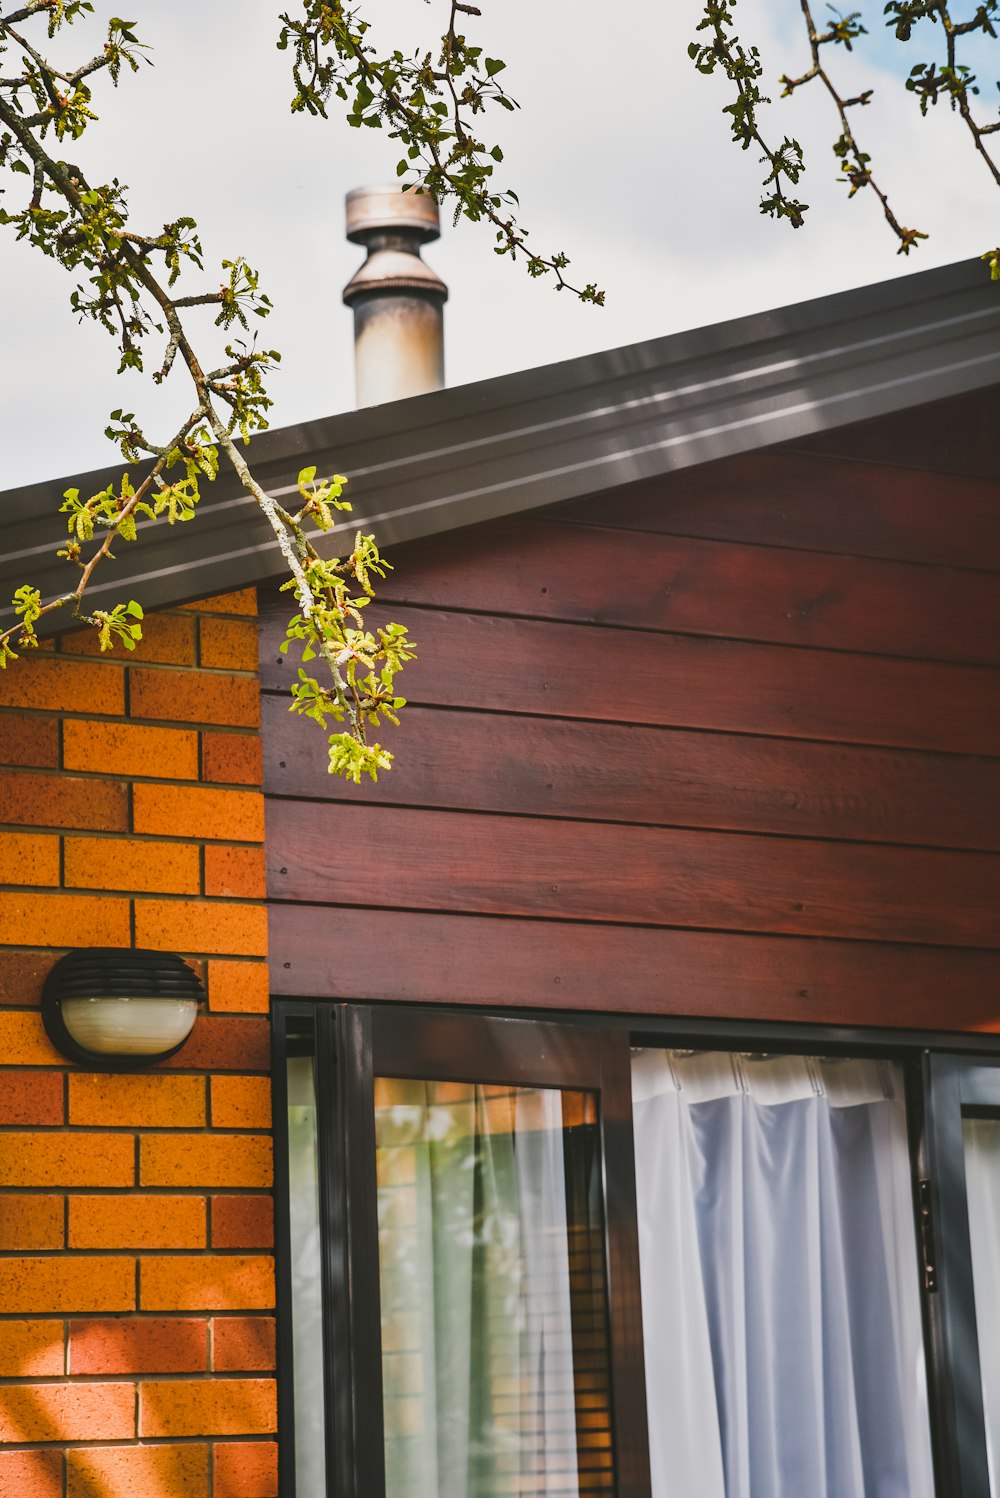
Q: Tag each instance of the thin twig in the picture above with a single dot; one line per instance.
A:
(855, 162)
(961, 95)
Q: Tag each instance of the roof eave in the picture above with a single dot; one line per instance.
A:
(460, 456)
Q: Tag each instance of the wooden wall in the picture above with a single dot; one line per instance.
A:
(727, 744)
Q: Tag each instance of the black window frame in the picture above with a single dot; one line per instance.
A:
(956, 1087)
(939, 1070)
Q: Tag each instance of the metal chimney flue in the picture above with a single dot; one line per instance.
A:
(398, 301)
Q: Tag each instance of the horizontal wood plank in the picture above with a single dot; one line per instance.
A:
(451, 959)
(801, 500)
(541, 568)
(595, 771)
(956, 435)
(627, 676)
(580, 871)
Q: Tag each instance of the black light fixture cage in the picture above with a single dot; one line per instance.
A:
(114, 972)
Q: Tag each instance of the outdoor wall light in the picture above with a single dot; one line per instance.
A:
(117, 1008)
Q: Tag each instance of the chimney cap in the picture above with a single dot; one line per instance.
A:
(388, 206)
(394, 270)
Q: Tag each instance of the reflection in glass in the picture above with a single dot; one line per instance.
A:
(307, 1342)
(494, 1337)
(982, 1170)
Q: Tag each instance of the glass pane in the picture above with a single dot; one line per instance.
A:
(307, 1340)
(491, 1268)
(982, 1172)
(781, 1313)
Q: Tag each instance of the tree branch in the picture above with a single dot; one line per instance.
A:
(444, 155)
(743, 68)
(90, 231)
(854, 162)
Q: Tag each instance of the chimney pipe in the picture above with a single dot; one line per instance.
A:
(398, 301)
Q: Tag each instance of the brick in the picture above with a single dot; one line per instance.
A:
(195, 697)
(64, 686)
(28, 1222)
(167, 638)
(32, 1349)
(201, 926)
(241, 1102)
(209, 1160)
(199, 811)
(229, 644)
(31, 1474)
(246, 1469)
(58, 1159)
(242, 602)
(29, 740)
(207, 1282)
(23, 1041)
(130, 749)
(30, 858)
(226, 1043)
(130, 864)
(67, 1284)
(26, 739)
(136, 1221)
(32, 798)
(67, 1412)
(64, 920)
(236, 757)
(22, 975)
(243, 1344)
(236, 872)
(128, 1100)
(238, 987)
(242, 1222)
(150, 1345)
(138, 1472)
(208, 1407)
(31, 1098)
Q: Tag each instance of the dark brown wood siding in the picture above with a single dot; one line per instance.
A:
(726, 745)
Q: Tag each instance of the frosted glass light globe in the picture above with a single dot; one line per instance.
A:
(129, 1027)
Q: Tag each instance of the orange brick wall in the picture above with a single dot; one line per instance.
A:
(136, 1277)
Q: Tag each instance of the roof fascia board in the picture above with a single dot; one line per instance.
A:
(460, 456)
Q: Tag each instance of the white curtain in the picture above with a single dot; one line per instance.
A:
(982, 1171)
(477, 1354)
(781, 1314)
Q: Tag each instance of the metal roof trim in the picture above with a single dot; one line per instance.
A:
(476, 452)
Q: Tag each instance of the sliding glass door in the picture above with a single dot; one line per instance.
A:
(485, 1293)
(502, 1267)
(524, 1259)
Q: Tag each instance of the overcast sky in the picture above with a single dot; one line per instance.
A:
(620, 156)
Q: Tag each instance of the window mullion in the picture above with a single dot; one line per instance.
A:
(954, 1342)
